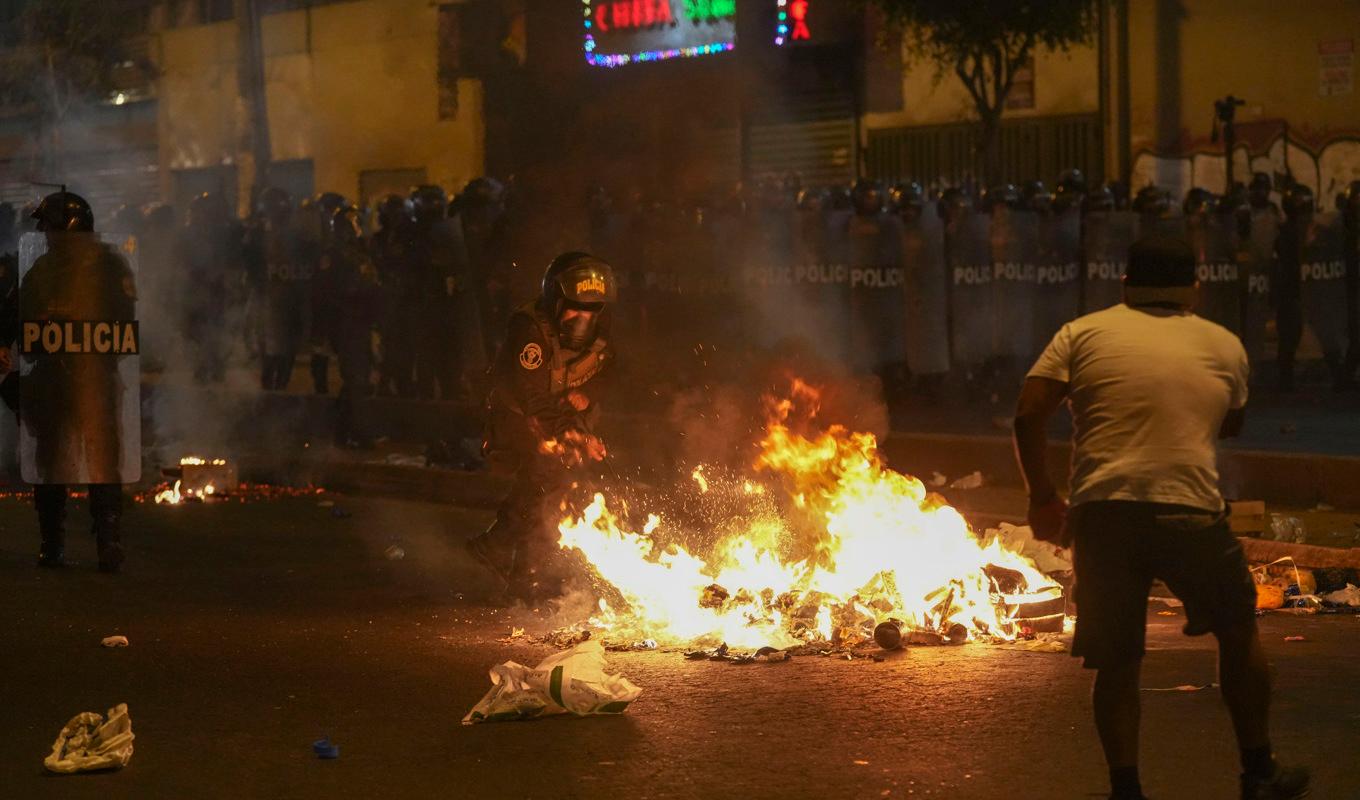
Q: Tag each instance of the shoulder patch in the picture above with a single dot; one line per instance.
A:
(531, 357)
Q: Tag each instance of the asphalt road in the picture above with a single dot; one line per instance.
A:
(258, 628)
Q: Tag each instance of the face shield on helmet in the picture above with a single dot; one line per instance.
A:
(576, 289)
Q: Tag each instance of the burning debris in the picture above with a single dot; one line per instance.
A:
(851, 551)
(201, 480)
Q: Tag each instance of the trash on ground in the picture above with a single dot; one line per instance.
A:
(1296, 638)
(405, 460)
(1048, 557)
(325, 504)
(1324, 507)
(92, 742)
(114, 641)
(325, 748)
(645, 644)
(1269, 596)
(938, 479)
(395, 553)
(1287, 529)
(972, 480)
(570, 681)
(1185, 687)
(1349, 596)
(765, 655)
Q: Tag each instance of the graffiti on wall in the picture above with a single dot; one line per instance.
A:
(1325, 169)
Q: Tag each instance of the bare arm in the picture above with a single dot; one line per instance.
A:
(1039, 398)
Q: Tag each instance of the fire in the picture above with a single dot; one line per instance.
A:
(198, 461)
(856, 544)
(170, 496)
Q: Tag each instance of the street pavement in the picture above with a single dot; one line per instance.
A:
(257, 628)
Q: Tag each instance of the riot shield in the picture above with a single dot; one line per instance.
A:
(835, 286)
(1106, 237)
(1172, 225)
(1322, 273)
(1258, 255)
(1015, 261)
(1220, 284)
(1058, 281)
(926, 285)
(767, 279)
(876, 306)
(79, 366)
(972, 302)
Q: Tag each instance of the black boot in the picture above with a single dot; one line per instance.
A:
(106, 509)
(50, 501)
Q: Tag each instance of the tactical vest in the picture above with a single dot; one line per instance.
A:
(566, 370)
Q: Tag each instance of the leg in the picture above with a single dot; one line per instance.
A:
(50, 501)
(106, 512)
(1115, 700)
(1289, 323)
(1245, 679)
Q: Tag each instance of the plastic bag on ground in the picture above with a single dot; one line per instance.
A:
(1350, 596)
(1049, 558)
(91, 742)
(573, 680)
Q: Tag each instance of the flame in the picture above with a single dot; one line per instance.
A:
(857, 544)
(170, 496)
(698, 476)
(199, 461)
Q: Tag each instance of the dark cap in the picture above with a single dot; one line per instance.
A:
(1160, 261)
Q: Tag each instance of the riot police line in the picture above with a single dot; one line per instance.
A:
(897, 281)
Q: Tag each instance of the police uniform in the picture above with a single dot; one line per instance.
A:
(542, 406)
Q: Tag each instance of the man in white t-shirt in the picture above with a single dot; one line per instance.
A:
(1151, 387)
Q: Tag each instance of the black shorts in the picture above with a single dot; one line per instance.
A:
(1120, 547)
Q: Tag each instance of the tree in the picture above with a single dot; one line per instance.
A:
(984, 43)
(59, 55)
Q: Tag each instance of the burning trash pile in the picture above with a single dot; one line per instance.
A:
(202, 480)
(829, 546)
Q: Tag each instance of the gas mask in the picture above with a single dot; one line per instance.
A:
(577, 331)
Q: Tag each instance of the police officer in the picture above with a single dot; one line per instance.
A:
(356, 305)
(542, 412)
(317, 227)
(1350, 211)
(438, 265)
(279, 259)
(481, 210)
(390, 249)
(925, 289)
(82, 278)
(1070, 192)
(208, 251)
(1286, 284)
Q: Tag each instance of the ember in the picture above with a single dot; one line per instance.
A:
(857, 545)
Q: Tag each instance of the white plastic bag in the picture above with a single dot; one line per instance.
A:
(573, 680)
(90, 742)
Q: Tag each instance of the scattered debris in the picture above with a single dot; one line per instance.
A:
(645, 644)
(570, 681)
(1296, 638)
(1349, 596)
(1185, 687)
(972, 480)
(765, 655)
(938, 479)
(1287, 529)
(92, 742)
(325, 748)
(395, 553)
(114, 641)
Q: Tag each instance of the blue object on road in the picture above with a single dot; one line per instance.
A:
(324, 748)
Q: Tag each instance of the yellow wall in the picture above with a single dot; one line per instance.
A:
(351, 86)
(1184, 54)
(1064, 83)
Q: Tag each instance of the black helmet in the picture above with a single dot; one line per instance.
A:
(907, 198)
(327, 203)
(578, 281)
(1071, 189)
(274, 204)
(1151, 200)
(393, 210)
(1234, 200)
(1001, 195)
(1099, 199)
(157, 217)
(1037, 196)
(64, 211)
(207, 208)
(867, 197)
(347, 225)
(482, 193)
(1198, 201)
(428, 202)
(1298, 200)
(125, 219)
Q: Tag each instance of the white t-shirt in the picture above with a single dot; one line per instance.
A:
(1148, 390)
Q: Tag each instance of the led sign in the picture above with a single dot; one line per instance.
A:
(619, 32)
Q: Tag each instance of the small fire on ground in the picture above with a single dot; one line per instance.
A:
(835, 546)
(198, 479)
